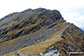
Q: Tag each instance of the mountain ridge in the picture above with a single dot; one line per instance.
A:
(33, 27)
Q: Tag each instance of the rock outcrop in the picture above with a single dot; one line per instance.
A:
(35, 31)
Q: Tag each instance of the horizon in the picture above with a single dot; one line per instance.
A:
(71, 10)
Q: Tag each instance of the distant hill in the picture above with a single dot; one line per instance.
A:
(82, 29)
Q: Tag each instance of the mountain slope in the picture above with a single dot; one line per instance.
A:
(34, 31)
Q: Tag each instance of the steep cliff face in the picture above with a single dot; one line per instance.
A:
(34, 31)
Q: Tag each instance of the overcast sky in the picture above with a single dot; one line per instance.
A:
(71, 10)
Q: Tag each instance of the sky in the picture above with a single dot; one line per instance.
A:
(71, 10)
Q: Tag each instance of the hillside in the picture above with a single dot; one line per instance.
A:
(35, 31)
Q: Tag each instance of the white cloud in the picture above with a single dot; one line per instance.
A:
(72, 10)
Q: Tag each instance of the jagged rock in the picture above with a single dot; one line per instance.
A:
(13, 27)
(19, 54)
(16, 35)
(47, 22)
(65, 45)
(40, 28)
(4, 32)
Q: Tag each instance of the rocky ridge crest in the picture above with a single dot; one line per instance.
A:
(29, 29)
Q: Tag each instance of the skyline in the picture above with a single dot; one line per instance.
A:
(71, 10)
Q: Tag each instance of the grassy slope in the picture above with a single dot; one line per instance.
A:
(40, 47)
(37, 48)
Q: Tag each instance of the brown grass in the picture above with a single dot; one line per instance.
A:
(37, 48)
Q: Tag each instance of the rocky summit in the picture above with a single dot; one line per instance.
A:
(39, 32)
